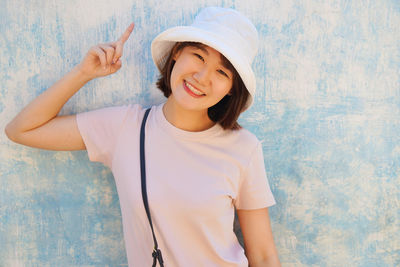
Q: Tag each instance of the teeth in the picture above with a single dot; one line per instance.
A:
(194, 90)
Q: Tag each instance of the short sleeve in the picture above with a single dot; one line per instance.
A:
(100, 130)
(254, 191)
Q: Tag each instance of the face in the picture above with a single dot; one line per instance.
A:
(199, 80)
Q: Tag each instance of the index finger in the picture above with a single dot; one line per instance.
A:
(124, 37)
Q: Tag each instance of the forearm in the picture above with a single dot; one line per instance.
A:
(47, 105)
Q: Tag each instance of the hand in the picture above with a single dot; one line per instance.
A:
(104, 59)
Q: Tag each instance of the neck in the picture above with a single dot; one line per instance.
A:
(188, 120)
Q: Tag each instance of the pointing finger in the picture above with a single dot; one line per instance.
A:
(119, 45)
(127, 33)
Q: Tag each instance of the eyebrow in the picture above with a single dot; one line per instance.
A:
(202, 48)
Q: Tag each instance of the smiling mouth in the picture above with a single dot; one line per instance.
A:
(191, 90)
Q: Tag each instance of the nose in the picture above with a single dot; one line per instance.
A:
(202, 76)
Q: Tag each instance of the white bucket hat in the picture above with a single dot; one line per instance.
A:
(225, 30)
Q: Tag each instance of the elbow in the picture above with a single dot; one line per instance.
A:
(7, 131)
(11, 133)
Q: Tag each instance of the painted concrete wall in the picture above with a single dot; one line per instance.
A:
(327, 110)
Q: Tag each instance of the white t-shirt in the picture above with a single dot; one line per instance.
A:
(194, 182)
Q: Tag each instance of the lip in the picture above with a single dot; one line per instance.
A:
(190, 92)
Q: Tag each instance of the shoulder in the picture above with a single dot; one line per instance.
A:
(119, 111)
(242, 137)
(122, 110)
(240, 144)
(113, 116)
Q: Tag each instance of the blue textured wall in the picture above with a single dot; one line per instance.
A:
(327, 110)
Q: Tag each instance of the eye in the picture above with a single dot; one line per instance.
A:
(223, 73)
(198, 56)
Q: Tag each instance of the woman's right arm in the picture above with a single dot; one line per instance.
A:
(38, 124)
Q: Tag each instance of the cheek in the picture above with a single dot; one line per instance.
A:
(174, 75)
(223, 87)
(182, 67)
(172, 78)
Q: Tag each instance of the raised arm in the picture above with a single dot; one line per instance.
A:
(38, 124)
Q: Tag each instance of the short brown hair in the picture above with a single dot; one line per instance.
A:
(226, 112)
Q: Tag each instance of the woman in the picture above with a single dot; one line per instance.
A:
(200, 163)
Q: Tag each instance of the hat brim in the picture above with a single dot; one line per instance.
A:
(163, 43)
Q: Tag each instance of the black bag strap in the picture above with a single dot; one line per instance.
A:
(156, 251)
